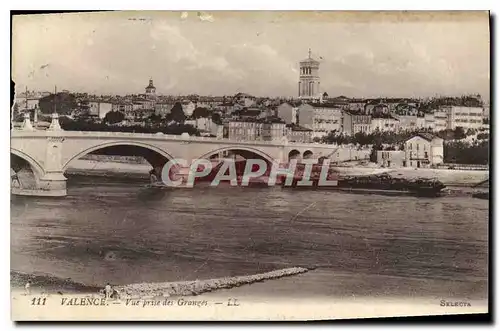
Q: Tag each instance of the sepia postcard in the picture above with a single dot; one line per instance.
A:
(249, 165)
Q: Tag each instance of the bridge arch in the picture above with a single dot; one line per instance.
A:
(244, 149)
(146, 147)
(307, 154)
(293, 154)
(36, 167)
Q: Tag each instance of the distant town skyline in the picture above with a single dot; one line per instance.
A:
(218, 53)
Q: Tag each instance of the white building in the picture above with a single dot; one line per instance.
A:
(163, 108)
(217, 130)
(420, 122)
(430, 121)
(321, 118)
(466, 117)
(123, 107)
(412, 122)
(385, 123)
(100, 108)
(353, 123)
(423, 150)
(391, 159)
(264, 129)
(440, 120)
(299, 134)
(407, 123)
(206, 125)
(287, 112)
(450, 117)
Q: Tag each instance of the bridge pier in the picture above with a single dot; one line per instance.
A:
(53, 184)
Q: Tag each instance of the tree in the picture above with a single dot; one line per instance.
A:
(459, 133)
(114, 117)
(216, 118)
(470, 132)
(64, 103)
(154, 118)
(177, 113)
(373, 154)
(18, 117)
(201, 112)
(467, 153)
(483, 136)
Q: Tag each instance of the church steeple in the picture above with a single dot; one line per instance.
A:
(151, 89)
(309, 78)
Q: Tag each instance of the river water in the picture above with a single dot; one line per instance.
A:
(361, 245)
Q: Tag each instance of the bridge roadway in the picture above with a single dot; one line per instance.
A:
(49, 152)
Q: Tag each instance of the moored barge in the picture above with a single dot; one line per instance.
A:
(370, 184)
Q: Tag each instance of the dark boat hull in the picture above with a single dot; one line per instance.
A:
(481, 195)
(386, 187)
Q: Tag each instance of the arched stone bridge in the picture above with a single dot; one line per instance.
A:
(49, 152)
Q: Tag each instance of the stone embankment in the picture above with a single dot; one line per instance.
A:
(196, 287)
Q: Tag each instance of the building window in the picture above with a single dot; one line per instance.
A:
(417, 146)
(426, 155)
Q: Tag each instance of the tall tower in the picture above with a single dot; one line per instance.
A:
(151, 89)
(309, 78)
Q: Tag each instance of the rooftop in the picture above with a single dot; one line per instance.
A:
(296, 127)
(354, 112)
(269, 119)
(426, 135)
(325, 105)
(382, 115)
(309, 59)
(249, 112)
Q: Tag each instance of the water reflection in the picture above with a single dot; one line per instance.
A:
(125, 233)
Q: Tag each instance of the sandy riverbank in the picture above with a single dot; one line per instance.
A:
(140, 170)
(46, 284)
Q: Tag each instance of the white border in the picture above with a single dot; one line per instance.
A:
(197, 5)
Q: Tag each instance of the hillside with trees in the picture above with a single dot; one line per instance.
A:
(63, 103)
(82, 125)
(465, 101)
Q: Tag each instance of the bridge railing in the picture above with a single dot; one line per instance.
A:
(162, 136)
(458, 166)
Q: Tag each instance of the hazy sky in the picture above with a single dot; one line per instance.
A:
(222, 53)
